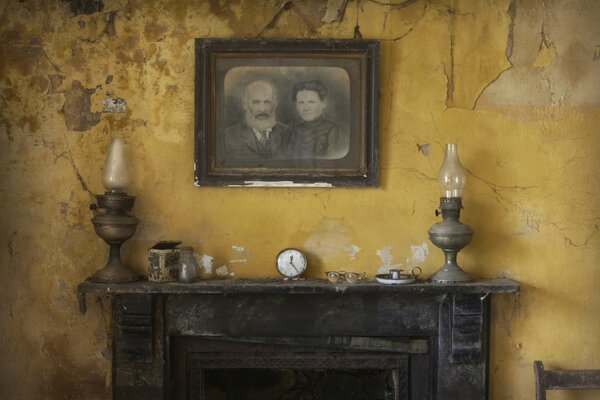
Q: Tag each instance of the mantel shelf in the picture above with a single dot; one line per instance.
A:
(281, 286)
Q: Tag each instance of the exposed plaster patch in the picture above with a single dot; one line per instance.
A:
(419, 252)
(335, 11)
(240, 260)
(329, 239)
(352, 251)
(114, 105)
(206, 262)
(77, 108)
(545, 72)
(423, 149)
(223, 271)
(386, 257)
(238, 249)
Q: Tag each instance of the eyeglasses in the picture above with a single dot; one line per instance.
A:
(341, 276)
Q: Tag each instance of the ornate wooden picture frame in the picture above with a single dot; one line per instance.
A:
(286, 112)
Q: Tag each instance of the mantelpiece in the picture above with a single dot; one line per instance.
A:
(436, 335)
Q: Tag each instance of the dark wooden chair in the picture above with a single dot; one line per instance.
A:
(563, 380)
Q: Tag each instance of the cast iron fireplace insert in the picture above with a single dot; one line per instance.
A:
(301, 340)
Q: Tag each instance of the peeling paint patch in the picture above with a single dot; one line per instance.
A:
(329, 239)
(423, 149)
(385, 254)
(77, 108)
(335, 11)
(116, 105)
(352, 251)
(238, 249)
(223, 271)
(240, 260)
(386, 257)
(596, 54)
(419, 252)
(206, 262)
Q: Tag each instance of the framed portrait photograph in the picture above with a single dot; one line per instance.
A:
(292, 113)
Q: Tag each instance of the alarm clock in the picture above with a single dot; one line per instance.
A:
(291, 263)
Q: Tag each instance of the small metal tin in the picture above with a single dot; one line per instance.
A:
(162, 261)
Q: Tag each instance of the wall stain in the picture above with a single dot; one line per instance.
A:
(19, 57)
(155, 31)
(39, 83)
(77, 108)
(64, 376)
(87, 7)
(55, 83)
(123, 121)
(29, 121)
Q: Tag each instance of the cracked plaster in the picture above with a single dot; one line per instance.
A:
(532, 194)
(553, 43)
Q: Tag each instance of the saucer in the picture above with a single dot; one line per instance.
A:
(401, 280)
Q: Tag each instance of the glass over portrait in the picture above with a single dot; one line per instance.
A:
(286, 116)
(282, 116)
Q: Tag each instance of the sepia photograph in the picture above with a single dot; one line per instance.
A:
(300, 112)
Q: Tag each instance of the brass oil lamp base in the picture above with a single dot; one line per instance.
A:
(114, 226)
(451, 236)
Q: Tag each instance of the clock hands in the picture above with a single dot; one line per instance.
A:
(292, 263)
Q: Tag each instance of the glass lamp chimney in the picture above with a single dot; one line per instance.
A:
(452, 176)
(115, 175)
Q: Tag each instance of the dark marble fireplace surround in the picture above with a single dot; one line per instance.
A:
(421, 341)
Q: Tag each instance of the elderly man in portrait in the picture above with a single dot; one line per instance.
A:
(259, 135)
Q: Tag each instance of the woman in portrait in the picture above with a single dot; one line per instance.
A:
(313, 136)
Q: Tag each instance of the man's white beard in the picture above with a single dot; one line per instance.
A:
(260, 124)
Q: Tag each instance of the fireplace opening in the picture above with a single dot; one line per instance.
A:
(291, 384)
(276, 368)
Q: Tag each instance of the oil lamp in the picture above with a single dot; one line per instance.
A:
(115, 225)
(450, 235)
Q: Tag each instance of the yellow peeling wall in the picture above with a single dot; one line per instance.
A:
(515, 84)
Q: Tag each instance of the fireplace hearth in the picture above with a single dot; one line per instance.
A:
(302, 340)
(248, 369)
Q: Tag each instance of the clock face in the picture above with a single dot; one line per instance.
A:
(290, 263)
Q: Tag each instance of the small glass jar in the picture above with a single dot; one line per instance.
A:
(187, 265)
